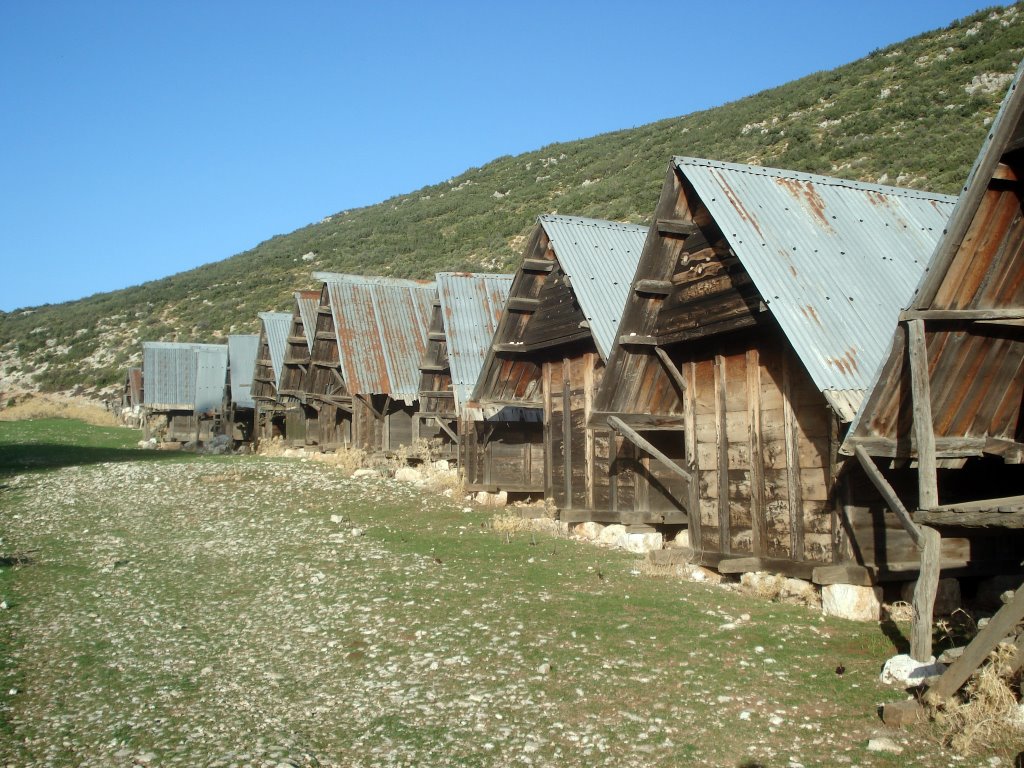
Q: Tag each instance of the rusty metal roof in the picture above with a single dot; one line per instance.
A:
(276, 325)
(381, 324)
(471, 304)
(178, 378)
(600, 258)
(834, 260)
(242, 349)
(308, 302)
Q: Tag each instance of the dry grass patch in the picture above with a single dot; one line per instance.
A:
(43, 406)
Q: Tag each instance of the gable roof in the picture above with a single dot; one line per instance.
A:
(381, 325)
(276, 326)
(975, 368)
(471, 304)
(599, 257)
(242, 349)
(308, 302)
(834, 260)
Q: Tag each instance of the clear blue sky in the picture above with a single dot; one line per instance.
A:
(140, 139)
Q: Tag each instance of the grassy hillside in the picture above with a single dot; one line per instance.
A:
(913, 114)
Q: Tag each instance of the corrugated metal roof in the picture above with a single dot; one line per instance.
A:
(308, 303)
(242, 349)
(276, 325)
(835, 260)
(170, 371)
(600, 258)
(381, 324)
(471, 304)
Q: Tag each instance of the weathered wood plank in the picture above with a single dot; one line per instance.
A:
(634, 437)
(758, 523)
(635, 340)
(722, 442)
(794, 486)
(887, 492)
(1002, 313)
(976, 652)
(654, 287)
(672, 371)
(798, 570)
(522, 303)
(924, 431)
(995, 519)
(924, 596)
(676, 227)
(538, 265)
(945, 447)
(843, 574)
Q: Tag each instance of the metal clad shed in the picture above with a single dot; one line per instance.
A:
(276, 326)
(242, 350)
(600, 259)
(834, 260)
(170, 370)
(211, 366)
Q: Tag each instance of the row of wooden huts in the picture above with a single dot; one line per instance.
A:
(807, 374)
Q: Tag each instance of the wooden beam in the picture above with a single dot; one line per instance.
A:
(924, 596)
(640, 420)
(634, 437)
(637, 340)
(672, 371)
(538, 265)
(843, 574)
(784, 566)
(676, 227)
(758, 521)
(924, 430)
(447, 429)
(994, 519)
(436, 393)
(998, 627)
(891, 499)
(794, 487)
(522, 304)
(437, 336)
(945, 447)
(434, 367)
(546, 344)
(1002, 313)
(1011, 451)
(722, 463)
(656, 287)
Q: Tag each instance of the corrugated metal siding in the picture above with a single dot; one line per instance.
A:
(242, 350)
(834, 260)
(276, 325)
(600, 258)
(471, 304)
(308, 303)
(381, 325)
(169, 374)
(211, 376)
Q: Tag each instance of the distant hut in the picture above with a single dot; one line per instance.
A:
(129, 411)
(941, 435)
(758, 312)
(464, 318)
(548, 353)
(302, 418)
(270, 406)
(370, 338)
(240, 408)
(184, 389)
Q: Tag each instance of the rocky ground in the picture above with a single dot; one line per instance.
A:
(243, 611)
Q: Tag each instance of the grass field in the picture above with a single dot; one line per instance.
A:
(183, 610)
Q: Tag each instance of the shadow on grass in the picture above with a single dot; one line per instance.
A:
(16, 458)
(891, 630)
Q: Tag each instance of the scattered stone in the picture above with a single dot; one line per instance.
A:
(408, 475)
(612, 535)
(3, 605)
(897, 714)
(485, 499)
(441, 465)
(848, 601)
(360, 474)
(590, 531)
(990, 591)
(950, 655)
(544, 668)
(337, 519)
(704, 575)
(884, 744)
(641, 543)
(905, 671)
(681, 540)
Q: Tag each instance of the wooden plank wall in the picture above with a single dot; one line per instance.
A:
(502, 455)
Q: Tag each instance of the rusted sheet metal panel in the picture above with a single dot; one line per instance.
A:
(242, 350)
(976, 370)
(381, 325)
(600, 259)
(276, 326)
(308, 302)
(471, 304)
(834, 260)
(169, 371)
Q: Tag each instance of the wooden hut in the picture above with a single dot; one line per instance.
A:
(759, 309)
(270, 406)
(364, 370)
(129, 410)
(462, 325)
(184, 389)
(548, 353)
(239, 407)
(302, 418)
(941, 435)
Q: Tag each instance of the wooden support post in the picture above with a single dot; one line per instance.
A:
(794, 495)
(447, 429)
(672, 371)
(993, 633)
(891, 499)
(924, 430)
(630, 434)
(758, 522)
(722, 438)
(924, 596)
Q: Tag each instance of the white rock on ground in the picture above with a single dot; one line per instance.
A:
(590, 531)
(485, 499)
(612, 534)
(681, 540)
(408, 475)
(361, 473)
(642, 543)
(884, 744)
(848, 601)
(905, 671)
(947, 597)
(704, 575)
(441, 465)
